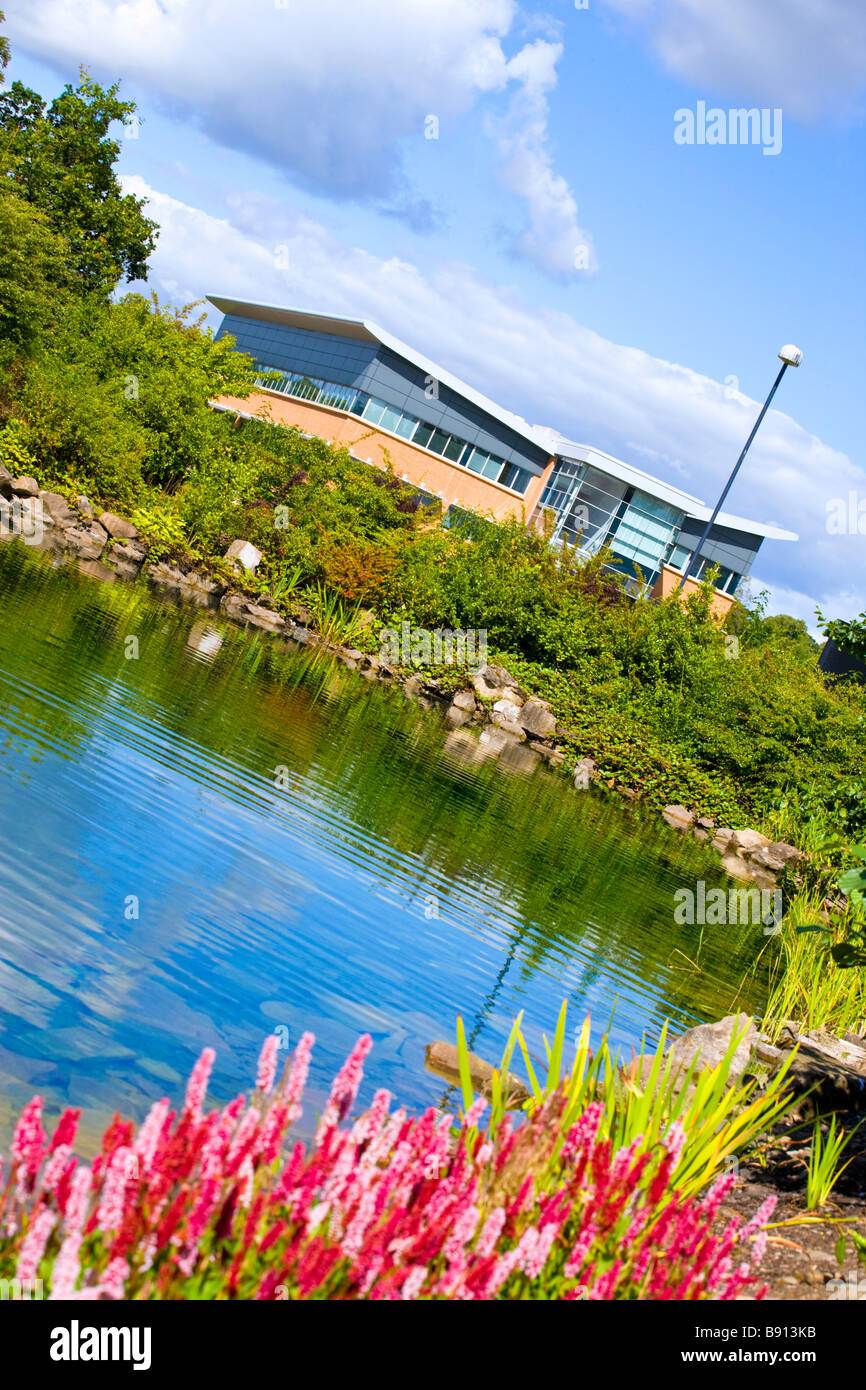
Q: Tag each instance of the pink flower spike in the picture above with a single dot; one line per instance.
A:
(34, 1244)
(267, 1063)
(197, 1084)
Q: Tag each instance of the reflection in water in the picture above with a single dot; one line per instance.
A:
(198, 851)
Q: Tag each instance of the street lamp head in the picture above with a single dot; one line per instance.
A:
(790, 355)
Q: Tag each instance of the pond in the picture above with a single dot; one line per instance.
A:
(207, 835)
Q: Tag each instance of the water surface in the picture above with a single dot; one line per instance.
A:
(219, 837)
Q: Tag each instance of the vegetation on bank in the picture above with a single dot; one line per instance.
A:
(585, 1199)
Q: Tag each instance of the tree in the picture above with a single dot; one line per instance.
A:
(60, 160)
(4, 50)
(34, 278)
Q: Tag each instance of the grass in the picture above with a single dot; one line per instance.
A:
(824, 1169)
(805, 982)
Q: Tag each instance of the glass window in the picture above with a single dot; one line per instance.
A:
(374, 410)
(423, 434)
(476, 459)
(390, 418)
(679, 557)
(453, 449)
(645, 531)
(515, 478)
(359, 403)
(406, 426)
(438, 440)
(493, 467)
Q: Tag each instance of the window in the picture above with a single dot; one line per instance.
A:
(645, 531)
(390, 418)
(423, 434)
(438, 440)
(515, 478)
(454, 448)
(406, 426)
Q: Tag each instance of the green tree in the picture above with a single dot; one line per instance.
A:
(34, 277)
(4, 50)
(60, 159)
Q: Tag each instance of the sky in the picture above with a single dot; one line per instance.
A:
(537, 197)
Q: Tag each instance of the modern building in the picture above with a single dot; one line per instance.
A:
(353, 383)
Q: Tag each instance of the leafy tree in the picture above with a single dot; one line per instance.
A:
(4, 50)
(60, 159)
(34, 276)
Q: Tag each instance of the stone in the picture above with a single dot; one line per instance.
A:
(265, 618)
(193, 587)
(244, 553)
(721, 838)
(817, 1042)
(128, 559)
(5, 481)
(495, 683)
(412, 687)
(464, 699)
(56, 510)
(821, 1086)
(508, 725)
(774, 857)
(679, 817)
(743, 840)
(507, 707)
(234, 605)
(88, 542)
(85, 508)
(455, 717)
(537, 718)
(705, 822)
(708, 1043)
(442, 1059)
(118, 528)
(583, 774)
(25, 486)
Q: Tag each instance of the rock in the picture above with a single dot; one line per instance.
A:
(455, 717)
(412, 687)
(118, 528)
(507, 707)
(128, 559)
(743, 840)
(554, 756)
(775, 857)
(88, 542)
(679, 817)
(707, 1044)
(464, 699)
(495, 683)
(244, 553)
(818, 1043)
(737, 868)
(536, 718)
(85, 508)
(442, 1059)
(25, 486)
(5, 481)
(56, 510)
(491, 741)
(821, 1086)
(265, 618)
(705, 822)
(502, 721)
(722, 838)
(583, 774)
(192, 587)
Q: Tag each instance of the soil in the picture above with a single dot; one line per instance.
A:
(800, 1263)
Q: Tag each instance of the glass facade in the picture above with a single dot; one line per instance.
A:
(397, 421)
(728, 580)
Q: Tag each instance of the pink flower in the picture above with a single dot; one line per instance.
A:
(300, 1069)
(345, 1086)
(121, 1172)
(197, 1085)
(267, 1063)
(76, 1206)
(149, 1134)
(114, 1279)
(33, 1247)
(64, 1275)
(28, 1141)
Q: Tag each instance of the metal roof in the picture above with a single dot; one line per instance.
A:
(548, 440)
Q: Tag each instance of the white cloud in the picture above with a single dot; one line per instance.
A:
(552, 238)
(544, 365)
(329, 92)
(807, 58)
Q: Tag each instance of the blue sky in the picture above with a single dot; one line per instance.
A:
(283, 146)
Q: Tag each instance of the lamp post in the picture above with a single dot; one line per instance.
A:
(790, 357)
